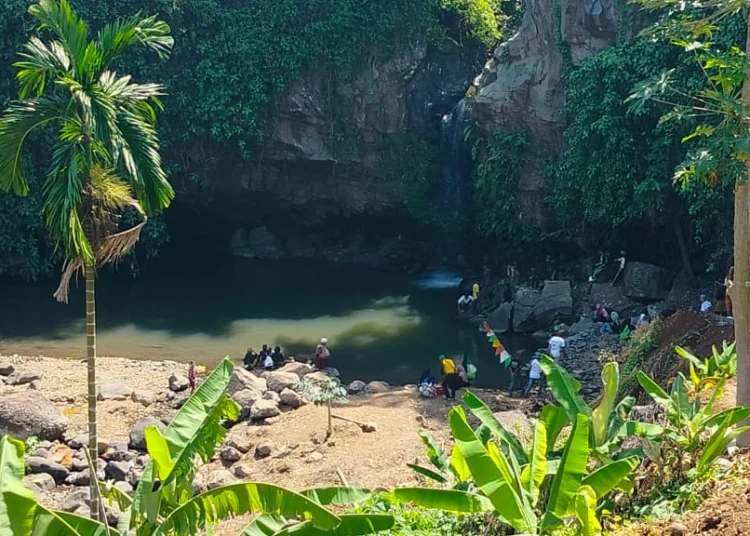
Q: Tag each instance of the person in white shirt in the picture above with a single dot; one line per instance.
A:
(463, 303)
(535, 375)
(622, 262)
(556, 346)
(705, 304)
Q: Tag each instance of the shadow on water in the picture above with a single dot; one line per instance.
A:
(381, 326)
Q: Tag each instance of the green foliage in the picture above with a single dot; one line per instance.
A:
(642, 342)
(708, 371)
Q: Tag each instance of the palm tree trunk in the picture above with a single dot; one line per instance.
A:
(740, 293)
(90, 273)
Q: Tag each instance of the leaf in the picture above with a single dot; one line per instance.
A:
(568, 478)
(734, 415)
(445, 499)
(537, 468)
(427, 473)
(697, 363)
(351, 525)
(655, 391)
(244, 498)
(600, 417)
(565, 389)
(585, 507)
(18, 503)
(158, 449)
(338, 496)
(554, 419)
(264, 525)
(458, 465)
(49, 523)
(435, 454)
(608, 477)
(718, 443)
(482, 412)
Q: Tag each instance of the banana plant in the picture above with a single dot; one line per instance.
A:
(707, 372)
(447, 469)
(513, 487)
(693, 429)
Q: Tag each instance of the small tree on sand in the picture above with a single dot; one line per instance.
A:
(323, 392)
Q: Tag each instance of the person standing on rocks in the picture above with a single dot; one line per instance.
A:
(192, 376)
(556, 346)
(535, 375)
(621, 259)
(322, 355)
(475, 290)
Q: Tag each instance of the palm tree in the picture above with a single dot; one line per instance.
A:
(105, 161)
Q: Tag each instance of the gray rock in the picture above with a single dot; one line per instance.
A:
(114, 391)
(144, 397)
(40, 482)
(272, 395)
(138, 432)
(219, 478)
(41, 465)
(23, 378)
(6, 369)
(278, 380)
(246, 398)
(112, 514)
(178, 383)
(357, 387)
(314, 457)
(199, 484)
(377, 387)
(242, 379)
(124, 487)
(645, 281)
(78, 442)
(79, 478)
(242, 470)
(42, 453)
(291, 398)
(265, 449)
(523, 310)
(36, 385)
(243, 445)
(79, 465)
(142, 460)
(264, 409)
(27, 414)
(77, 499)
(122, 456)
(134, 476)
(332, 372)
(118, 471)
(300, 369)
(555, 303)
(499, 319)
(229, 454)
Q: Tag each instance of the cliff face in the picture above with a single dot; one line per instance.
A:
(522, 88)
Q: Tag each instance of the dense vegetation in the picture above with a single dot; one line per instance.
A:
(230, 59)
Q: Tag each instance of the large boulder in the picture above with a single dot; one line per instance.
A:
(300, 369)
(246, 398)
(357, 387)
(138, 432)
(291, 398)
(523, 310)
(278, 380)
(23, 415)
(220, 478)
(23, 378)
(38, 465)
(555, 303)
(114, 391)
(6, 369)
(264, 409)
(645, 281)
(377, 387)
(178, 383)
(499, 319)
(242, 379)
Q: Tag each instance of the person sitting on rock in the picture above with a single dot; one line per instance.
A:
(277, 357)
(322, 355)
(601, 314)
(705, 305)
(251, 359)
(268, 362)
(264, 353)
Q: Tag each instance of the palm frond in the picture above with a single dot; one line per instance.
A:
(136, 30)
(120, 88)
(63, 22)
(16, 123)
(108, 190)
(40, 62)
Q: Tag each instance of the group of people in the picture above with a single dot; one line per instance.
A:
(268, 359)
(454, 377)
(556, 348)
(466, 301)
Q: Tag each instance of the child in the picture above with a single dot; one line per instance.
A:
(535, 375)
(192, 376)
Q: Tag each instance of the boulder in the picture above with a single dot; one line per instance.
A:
(278, 380)
(79, 465)
(134, 476)
(39, 482)
(272, 395)
(124, 487)
(523, 310)
(377, 387)
(645, 281)
(264, 409)
(265, 449)
(42, 453)
(144, 397)
(356, 387)
(241, 444)
(199, 484)
(114, 391)
(138, 432)
(118, 471)
(178, 383)
(318, 377)
(79, 478)
(23, 378)
(242, 379)
(556, 302)
(77, 499)
(6, 369)
(332, 372)
(300, 369)
(63, 455)
(499, 319)
(27, 414)
(291, 398)
(229, 454)
(37, 465)
(242, 470)
(246, 398)
(219, 478)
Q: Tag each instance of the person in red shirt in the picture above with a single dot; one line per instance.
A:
(192, 376)
(322, 354)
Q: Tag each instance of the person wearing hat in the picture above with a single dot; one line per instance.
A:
(451, 380)
(322, 354)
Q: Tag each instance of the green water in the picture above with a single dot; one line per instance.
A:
(380, 325)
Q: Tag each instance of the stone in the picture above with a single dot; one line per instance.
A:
(272, 395)
(278, 381)
(114, 391)
(242, 470)
(555, 303)
(23, 378)
(300, 369)
(258, 243)
(377, 387)
(77, 499)
(264, 409)
(42, 453)
(199, 484)
(523, 310)
(138, 432)
(112, 514)
(265, 449)
(134, 476)
(144, 397)
(39, 482)
(36, 385)
(515, 421)
(142, 460)
(78, 442)
(242, 379)
(314, 457)
(246, 398)
(79, 478)
(243, 445)
(79, 465)
(678, 529)
(6, 369)
(357, 387)
(219, 478)
(369, 427)
(37, 465)
(291, 398)
(229, 454)
(499, 318)
(178, 383)
(122, 456)
(332, 372)
(30, 413)
(118, 471)
(63, 455)
(645, 281)
(124, 487)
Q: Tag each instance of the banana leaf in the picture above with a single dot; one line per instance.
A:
(427, 473)
(585, 508)
(18, 503)
(534, 473)
(482, 412)
(718, 443)
(608, 477)
(565, 389)
(435, 454)
(445, 499)
(351, 525)
(600, 417)
(338, 496)
(554, 419)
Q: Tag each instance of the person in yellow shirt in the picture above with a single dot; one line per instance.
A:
(451, 380)
(475, 290)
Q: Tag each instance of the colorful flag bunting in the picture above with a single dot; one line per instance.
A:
(500, 351)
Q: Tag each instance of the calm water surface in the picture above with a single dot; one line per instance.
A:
(380, 325)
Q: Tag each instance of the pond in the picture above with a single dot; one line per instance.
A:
(203, 307)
